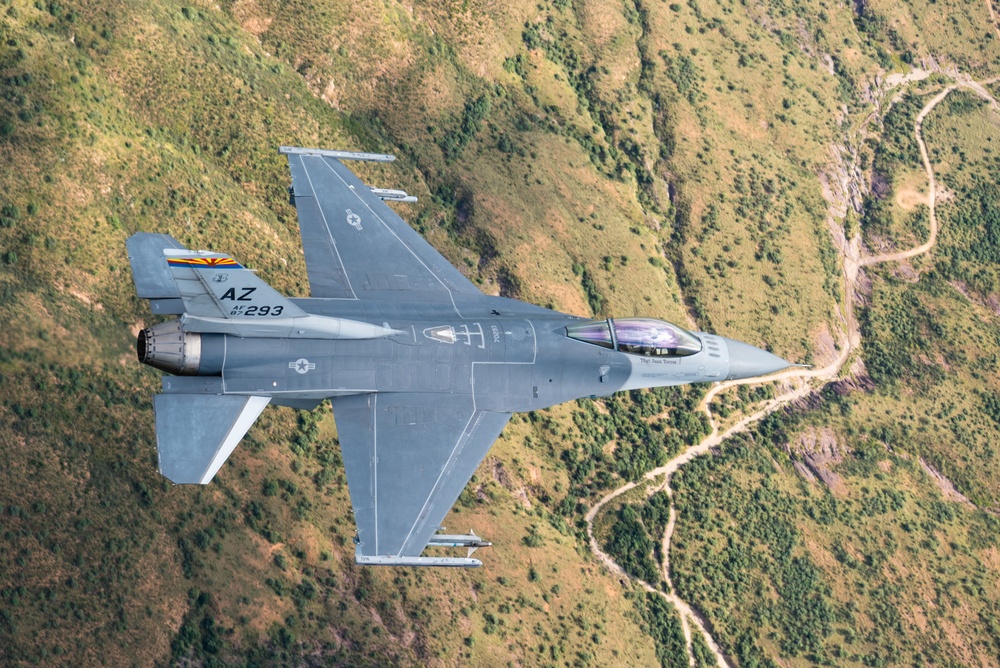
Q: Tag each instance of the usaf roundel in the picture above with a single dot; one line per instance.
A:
(302, 365)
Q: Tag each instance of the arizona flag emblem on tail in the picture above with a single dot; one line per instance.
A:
(204, 262)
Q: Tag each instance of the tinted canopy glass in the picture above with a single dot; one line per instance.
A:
(598, 333)
(639, 336)
(645, 336)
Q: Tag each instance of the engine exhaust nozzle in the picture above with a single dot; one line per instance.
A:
(168, 347)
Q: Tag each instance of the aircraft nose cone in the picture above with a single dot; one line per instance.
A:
(746, 361)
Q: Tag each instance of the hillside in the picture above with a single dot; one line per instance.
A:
(658, 158)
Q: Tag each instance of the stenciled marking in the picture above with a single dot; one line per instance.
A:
(257, 310)
(220, 278)
(354, 220)
(465, 335)
(302, 365)
(244, 296)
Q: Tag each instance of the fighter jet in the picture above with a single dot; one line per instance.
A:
(422, 369)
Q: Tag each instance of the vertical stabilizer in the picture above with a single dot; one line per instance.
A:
(215, 285)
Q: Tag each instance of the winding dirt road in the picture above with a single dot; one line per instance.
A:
(980, 90)
(798, 382)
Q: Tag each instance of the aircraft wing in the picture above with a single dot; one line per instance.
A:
(356, 247)
(407, 458)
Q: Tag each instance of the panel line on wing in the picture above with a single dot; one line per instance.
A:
(374, 415)
(388, 227)
(448, 463)
(326, 224)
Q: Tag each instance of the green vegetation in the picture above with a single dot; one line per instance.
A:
(645, 158)
(665, 627)
(896, 166)
(879, 546)
(837, 565)
(703, 656)
(630, 546)
(646, 426)
(632, 538)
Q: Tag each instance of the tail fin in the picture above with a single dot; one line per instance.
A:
(215, 285)
(201, 283)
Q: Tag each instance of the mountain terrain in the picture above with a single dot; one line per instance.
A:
(733, 167)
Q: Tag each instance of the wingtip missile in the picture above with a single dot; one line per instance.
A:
(392, 195)
(339, 155)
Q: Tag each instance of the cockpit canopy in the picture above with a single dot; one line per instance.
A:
(639, 336)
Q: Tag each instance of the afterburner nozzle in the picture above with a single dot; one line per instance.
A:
(168, 347)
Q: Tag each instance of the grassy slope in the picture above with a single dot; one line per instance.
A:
(883, 566)
(167, 119)
(570, 154)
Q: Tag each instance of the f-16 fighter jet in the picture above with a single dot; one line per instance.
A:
(423, 370)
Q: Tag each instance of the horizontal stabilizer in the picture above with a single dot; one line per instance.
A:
(152, 277)
(195, 434)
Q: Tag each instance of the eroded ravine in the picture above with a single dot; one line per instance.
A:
(798, 386)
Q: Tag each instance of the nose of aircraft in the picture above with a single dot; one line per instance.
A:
(746, 361)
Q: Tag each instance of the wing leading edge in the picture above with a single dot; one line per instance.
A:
(407, 459)
(356, 247)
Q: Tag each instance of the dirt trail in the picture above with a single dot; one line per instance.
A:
(851, 340)
(932, 189)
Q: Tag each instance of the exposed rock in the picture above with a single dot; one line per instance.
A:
(501, 476)
(810, 402)
(522, 496)
(804, 471)
(858, 380)
(991, 301)
(906, 272)
(504, 479)
(825, 346)
(862, 289)
(816, 451)
(947, 489)
(880, 186)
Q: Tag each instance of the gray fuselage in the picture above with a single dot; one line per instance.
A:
(509, 355)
